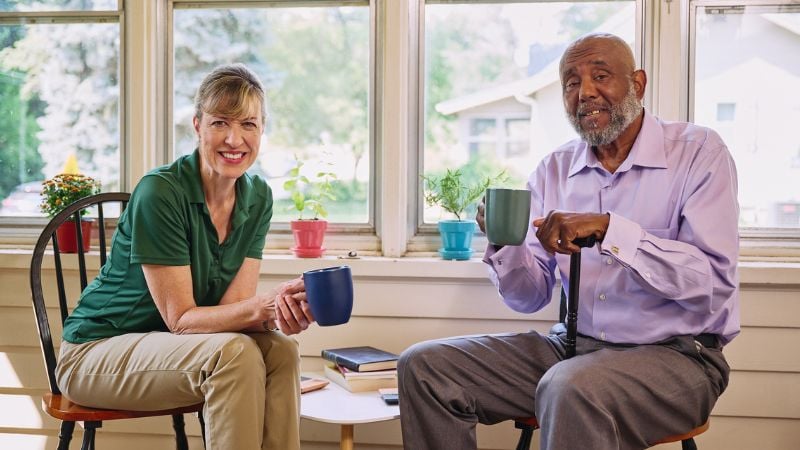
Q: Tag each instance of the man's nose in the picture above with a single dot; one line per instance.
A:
(587, 90)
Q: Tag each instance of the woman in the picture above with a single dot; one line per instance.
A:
(174, 318)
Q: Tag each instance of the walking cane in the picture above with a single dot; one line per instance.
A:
(574, 286)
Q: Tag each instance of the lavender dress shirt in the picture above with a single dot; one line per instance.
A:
(668, 263)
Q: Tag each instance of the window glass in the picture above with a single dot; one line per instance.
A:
(58, 5)
(60, 102)
(314, 62)
(746, 77)
(492, 96)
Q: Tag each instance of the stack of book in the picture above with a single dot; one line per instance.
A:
(360, 369)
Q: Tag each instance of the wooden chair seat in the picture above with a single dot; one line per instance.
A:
(532, 424)
(62, 408)
(682, 437)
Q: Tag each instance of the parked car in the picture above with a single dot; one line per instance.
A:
(23, 200)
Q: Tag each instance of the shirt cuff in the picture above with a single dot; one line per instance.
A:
(503, 260)
(622, 238)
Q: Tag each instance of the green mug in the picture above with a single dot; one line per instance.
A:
(507, 215)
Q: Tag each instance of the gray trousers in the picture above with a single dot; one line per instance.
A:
(607, 397)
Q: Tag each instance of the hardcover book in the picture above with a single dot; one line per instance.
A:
(361, 359)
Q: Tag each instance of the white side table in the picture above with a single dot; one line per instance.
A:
(334, 404)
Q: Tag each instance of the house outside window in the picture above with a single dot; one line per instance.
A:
(743, 85)
(492, 95)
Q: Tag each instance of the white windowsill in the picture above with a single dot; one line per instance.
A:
(421, 267)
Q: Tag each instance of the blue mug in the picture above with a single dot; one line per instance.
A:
(329, 292)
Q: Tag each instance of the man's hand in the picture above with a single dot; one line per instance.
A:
(480, 216)
(292, 311)
(557, 231)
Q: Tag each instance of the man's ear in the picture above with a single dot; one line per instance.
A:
(639, 82)
(196, 123)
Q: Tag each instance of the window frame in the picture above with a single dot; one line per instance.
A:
(23, 231)
(665, 37)
(756, 243)
(424, 237)
(339, 236)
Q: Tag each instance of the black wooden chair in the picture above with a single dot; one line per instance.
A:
(53, 402)
(568, 316)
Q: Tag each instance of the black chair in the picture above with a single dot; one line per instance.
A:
(568, 310)
(53, 402)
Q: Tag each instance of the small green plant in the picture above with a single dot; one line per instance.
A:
(453, 194)
(64, 189)
(307, 194)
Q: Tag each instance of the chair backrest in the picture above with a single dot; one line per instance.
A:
(71, 212)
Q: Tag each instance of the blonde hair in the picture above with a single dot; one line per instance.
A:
(229, 91)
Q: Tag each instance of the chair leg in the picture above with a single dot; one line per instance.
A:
(202, 427)
(65, 435)
(89, 434)
(688, 444)
(525, 436)
(180, 432)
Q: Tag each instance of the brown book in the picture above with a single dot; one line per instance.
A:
(359, 384)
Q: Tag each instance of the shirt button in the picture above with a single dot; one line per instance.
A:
(602, 335)
(647, 274)
(608, 261)
(602, 296)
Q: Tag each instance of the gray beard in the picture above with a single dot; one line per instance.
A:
(622, 115)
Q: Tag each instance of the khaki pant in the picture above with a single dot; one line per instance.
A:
(250, 383)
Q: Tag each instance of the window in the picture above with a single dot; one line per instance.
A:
(726, 112)
(315, 64)
(745, 74)
(491, 82)
(59, 97)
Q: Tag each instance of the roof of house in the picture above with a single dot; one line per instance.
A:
(617, 24)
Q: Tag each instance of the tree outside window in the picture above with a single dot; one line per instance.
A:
(59, 96)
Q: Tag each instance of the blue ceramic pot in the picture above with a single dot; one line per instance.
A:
(456, 239)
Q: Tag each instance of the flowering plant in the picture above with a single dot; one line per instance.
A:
(64, 189)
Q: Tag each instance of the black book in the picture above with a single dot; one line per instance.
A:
(361, 359)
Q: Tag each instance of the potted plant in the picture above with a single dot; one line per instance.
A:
(307, 195)
(58, 193)
(454, 194)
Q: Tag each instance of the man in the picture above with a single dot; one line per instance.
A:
(659, 293)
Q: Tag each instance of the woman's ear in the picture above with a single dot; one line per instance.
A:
(196, 123)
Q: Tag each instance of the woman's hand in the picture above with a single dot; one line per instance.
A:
(292, 311)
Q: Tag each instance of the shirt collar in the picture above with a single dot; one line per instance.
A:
(193, 184)
(647, 150)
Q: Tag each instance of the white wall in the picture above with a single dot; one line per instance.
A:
(402, 301)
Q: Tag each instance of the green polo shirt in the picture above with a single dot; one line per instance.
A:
(167, 223)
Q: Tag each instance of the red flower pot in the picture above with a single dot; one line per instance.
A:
(68, 237)
(308, 237)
